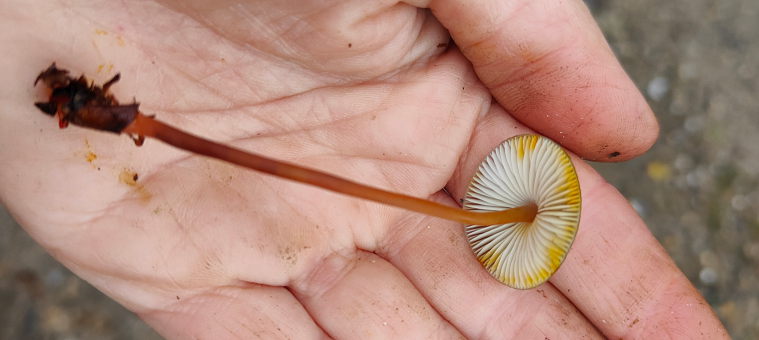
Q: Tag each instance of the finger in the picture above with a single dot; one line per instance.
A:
(435, 255)
(616, 273)
(231, 312)
(548, 65)
(361, 295)
(621, 277)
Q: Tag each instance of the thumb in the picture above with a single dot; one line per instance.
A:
(547, 63)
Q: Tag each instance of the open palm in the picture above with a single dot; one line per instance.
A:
(374, 92)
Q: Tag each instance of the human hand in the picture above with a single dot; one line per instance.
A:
(365, 90)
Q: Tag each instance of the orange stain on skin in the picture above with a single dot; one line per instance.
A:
(130, 178)
(102, 32)
(108, 68)
(90, 156)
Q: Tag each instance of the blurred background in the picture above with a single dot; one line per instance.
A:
(697, 63)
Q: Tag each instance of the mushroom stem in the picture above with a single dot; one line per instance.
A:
(150, 127)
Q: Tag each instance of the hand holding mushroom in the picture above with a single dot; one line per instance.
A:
(198, 247)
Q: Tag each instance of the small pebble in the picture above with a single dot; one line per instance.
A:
(659, 171)
(54, 278)
(658, 88)
(708, 276)
(697, 178)
(56, 319)
(638, 206)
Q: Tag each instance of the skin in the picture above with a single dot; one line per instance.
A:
(366, 90)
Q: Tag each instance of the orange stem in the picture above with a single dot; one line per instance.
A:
(147, 126)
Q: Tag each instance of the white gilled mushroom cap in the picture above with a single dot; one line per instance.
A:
(525, 169)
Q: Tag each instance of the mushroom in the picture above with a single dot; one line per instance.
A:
(523, 205)
(523, 170)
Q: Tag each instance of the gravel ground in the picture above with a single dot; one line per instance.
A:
(697, 61)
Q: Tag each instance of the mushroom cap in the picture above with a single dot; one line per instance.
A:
(525, 169)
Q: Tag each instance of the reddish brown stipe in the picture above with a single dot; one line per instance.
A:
(77, 102)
